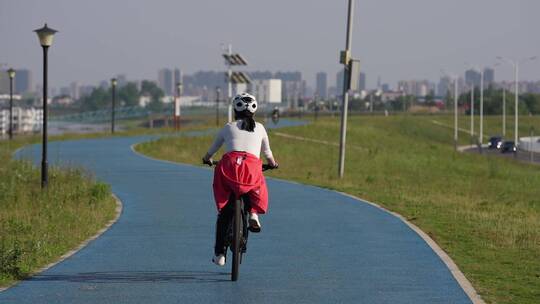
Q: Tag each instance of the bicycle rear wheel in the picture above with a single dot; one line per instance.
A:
(236, 241)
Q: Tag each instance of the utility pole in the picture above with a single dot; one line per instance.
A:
(229, 85)
(218, 92)
(516, 98)
(345, 59)
(113, 106)
(481, 135)
(11, 74)
(504, 112)
(472, 113)
(455, 113)
(515, 64)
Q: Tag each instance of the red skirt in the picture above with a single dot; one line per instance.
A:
(240, 173)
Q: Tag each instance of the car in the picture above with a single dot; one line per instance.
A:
(495, 142)
(508, 146)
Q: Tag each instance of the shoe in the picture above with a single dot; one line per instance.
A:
(219, 260)
(254, 224)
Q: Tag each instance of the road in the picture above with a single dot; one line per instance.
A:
(317, 246)
(522, 156)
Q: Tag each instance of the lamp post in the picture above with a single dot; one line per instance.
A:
(113, 88)
(46, 37)
(455, 78)
(218, 93)
(481, 134)
(179, 91)
(455, 113)
(11, 74)
(472, 113)
(504, 112)
(515, 65)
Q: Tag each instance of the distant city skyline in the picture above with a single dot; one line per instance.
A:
(394, 39)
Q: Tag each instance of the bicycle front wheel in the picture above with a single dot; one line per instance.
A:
(236, 241)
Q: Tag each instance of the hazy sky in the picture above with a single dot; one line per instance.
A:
(396, 39)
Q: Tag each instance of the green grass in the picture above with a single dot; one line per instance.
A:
(37, 227)
(483, 211)
(492, 126)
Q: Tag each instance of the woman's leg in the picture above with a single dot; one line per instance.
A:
(223, 222)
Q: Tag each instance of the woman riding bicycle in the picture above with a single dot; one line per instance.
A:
(239, 172)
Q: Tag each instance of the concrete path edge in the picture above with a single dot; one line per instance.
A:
(67, 255)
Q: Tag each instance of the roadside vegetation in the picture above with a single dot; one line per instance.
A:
(38, 226)
(483, 211)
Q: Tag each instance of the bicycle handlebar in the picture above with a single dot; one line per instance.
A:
(264, 166)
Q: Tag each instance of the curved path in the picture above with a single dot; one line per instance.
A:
(317, 246)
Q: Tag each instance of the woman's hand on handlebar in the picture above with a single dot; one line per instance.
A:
(207, 160)
(272, 163)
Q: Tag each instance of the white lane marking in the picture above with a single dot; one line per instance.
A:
(318, 141)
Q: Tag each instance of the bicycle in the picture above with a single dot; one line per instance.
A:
(238, 228)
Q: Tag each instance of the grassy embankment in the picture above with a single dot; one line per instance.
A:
(483, 211)
(37, 227)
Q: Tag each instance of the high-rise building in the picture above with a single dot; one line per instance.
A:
(259, 75)
(362, 82)
(444, 86)
(293, 88)
(74, 88)
(419, 88)
(322, 85)
(121, 80)
(4, 82)
(489, 76)
(165, 81)
(23, 81)
(266, 90)
(472, 77)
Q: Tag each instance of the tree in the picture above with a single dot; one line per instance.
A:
(532, 101)
(430, 98)
(129, 95)
(150, 88)
(99, 99)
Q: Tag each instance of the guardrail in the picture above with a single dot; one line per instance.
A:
(530, 144)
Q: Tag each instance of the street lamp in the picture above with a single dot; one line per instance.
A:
(113, 87)
(179, 91)
(11, 74)
(481, 131)
(504, 112)
(515, 64)
(218, 93)
(472, 113)
(455, 107)
(46, 36)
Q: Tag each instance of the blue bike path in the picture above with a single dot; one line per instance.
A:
(317, 246)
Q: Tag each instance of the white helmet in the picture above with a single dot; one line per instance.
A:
(245, 101)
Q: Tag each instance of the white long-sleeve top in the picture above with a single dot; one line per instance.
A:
(236, 139)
